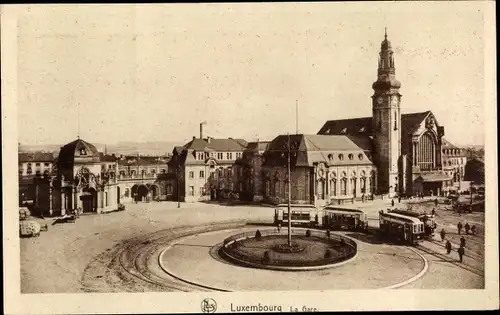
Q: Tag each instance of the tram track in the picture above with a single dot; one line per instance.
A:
(133, 264)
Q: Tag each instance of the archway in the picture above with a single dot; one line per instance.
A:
(142, 193)
(154, 190)
(89, 200)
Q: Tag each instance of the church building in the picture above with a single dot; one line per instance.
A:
(407, 148)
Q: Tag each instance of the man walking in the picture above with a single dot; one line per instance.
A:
(448, 247)
(462, 242)
(473, 230)
(443, 234)
(459, 227)
(467, 227)
(461, 253)
(392, 202)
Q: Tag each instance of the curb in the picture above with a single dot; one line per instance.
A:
(414, 278)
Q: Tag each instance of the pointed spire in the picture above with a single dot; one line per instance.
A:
(385, 36)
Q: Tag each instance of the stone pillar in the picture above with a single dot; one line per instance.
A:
(75, 198)
(51, 212)
(63, 202)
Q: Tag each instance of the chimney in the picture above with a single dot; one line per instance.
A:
(194, 137)
(201, 129)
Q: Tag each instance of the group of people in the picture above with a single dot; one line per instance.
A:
(461, 249)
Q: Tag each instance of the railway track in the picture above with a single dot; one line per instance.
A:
(446, 258)
(132, 266)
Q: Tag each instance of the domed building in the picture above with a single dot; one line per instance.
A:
(85, 181)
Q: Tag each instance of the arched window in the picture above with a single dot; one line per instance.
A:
(321, 189)
(341, 157)
(351, 156)
(343, 186)
(395, 120)
(333, 186)
(426, 148)
(372, 182)
(330, 157)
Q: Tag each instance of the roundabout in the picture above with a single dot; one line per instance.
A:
(189, 259)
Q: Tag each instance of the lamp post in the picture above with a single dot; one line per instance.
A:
(289, 197)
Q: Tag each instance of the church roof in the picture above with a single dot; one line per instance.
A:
(363, 126)
(79, 151)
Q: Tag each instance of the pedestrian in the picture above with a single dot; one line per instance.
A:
(328, 233)
(399, 199)
(392, 202)
(473, 230)
(443, 234)
(279, 227)
(459, 227)
(462, 242)
(436, 202)
(433, 213)
(467, 227)
(461, 252)
(448, 247)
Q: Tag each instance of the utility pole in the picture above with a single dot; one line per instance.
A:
(289, 196)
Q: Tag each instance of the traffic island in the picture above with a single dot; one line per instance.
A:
(308, 250)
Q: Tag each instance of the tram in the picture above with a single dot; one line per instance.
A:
(301, 214)
(344, 218)
(428, 220)
(400, 227)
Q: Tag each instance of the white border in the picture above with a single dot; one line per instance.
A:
(179, 302)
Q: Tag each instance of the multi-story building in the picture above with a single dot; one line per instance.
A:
(407, 148)
(138, 177)
(248, 171)
(33, 166)
(203, 169)
(454, 160)
(323, 169)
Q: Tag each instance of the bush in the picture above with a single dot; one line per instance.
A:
(258, 235)
(308, 233)
(267, 257)
(121, 207)
(328, 253)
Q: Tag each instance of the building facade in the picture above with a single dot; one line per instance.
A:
(203, 169)
(407, 148)
(323, 169)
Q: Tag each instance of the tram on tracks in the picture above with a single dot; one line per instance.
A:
(301, 214)
(399, 227)
(429, 220)
(338, 218)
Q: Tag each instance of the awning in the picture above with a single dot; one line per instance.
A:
(434, 177)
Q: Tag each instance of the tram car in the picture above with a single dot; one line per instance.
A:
(301, 214)
(428, 220)
(400, 227)
(337, 218)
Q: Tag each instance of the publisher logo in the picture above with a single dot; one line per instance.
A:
(208, 305)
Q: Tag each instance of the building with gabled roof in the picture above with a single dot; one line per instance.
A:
(202, 169)
(405, 147)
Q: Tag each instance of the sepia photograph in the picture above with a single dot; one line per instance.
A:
(249, 157)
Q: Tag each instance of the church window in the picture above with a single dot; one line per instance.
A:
(395, 120)
(426, 152)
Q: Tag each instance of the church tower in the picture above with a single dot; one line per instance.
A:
(387, 121)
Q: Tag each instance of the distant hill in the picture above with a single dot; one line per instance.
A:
(122, 148)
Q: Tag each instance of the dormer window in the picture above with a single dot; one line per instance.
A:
(344, 130)
(83, 152)
(362, 129)
(330, 157)
(351, 156)
(327, 131)
(360, 156)
(341, 157)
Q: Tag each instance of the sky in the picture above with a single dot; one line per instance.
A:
(154, 72)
